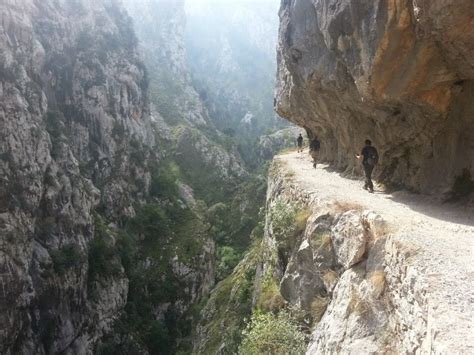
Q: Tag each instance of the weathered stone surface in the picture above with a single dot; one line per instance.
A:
(353, 322)
(392, 290)
(398, 72)
(349, 239)
(271, 144)
(76, 141)
(71, 104)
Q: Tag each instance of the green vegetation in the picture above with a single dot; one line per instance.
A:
(270, 299)
(164, 181)
(229, 304)
(103, 252)
(273, 334)
(162, 234)
(288, 222)
(66, 258)
(228, 260)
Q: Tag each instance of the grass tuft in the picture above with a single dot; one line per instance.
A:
(318, 307)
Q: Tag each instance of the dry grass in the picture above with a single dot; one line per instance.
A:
(357, 304)
(386, 229)
(270, 298)
(377, 280)
(318, 307)
(330, 277)
(301, 218)
(321, 240)
(326, 241)
(342, 207)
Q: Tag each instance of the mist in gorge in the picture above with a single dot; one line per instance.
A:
(231, 53)
(155, 198)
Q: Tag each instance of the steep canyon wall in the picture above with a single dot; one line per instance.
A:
(399, 72)
(79, 162)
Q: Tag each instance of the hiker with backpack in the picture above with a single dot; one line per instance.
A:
(370, 158)
(299, 141)
(314, 148)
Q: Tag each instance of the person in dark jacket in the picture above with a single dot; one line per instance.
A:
(370, 158)
(299, 141)
(314, 148)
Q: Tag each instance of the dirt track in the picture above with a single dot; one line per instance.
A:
(443, 234)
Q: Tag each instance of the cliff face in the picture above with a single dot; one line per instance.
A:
(71, 102)
(398, 72)
(77, 160)
(160, 27)
(369, 274)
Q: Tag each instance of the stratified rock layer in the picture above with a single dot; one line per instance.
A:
(399, 72)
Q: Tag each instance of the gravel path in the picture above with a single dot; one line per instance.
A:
(442, 233)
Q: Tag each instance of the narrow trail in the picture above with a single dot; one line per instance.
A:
(442, 234)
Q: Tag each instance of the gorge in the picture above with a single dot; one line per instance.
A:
(147, 207)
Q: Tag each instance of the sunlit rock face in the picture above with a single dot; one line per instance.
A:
(397, 72)
(73, 122)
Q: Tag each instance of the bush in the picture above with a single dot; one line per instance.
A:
(270, 298)
(66, 258)
(288, 222)
(228, 260)
(283, 220)
(164, 182)
(272, 334)
(102, 261)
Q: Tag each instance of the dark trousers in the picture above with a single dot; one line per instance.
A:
(368, 169)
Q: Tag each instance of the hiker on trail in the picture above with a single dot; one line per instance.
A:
(370, 158)
(299, 140)
(314, 147)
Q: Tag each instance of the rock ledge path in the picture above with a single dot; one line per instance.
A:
(442, 234)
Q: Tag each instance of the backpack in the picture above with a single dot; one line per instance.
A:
(373, 157)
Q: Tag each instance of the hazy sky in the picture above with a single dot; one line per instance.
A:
(227, 1)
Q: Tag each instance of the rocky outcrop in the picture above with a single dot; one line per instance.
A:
(271, 144)
(397, 72)
(365, 284)
(73, 111)
(77, 151)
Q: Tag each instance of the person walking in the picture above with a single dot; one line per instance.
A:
(299, 141)
(314, 148)
(370, 158)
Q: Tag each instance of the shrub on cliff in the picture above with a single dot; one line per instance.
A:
(287, 222)
(272, 334)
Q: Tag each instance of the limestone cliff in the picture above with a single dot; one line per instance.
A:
(399, 72)
(84, 198)
(370, 274)
(71, 103)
